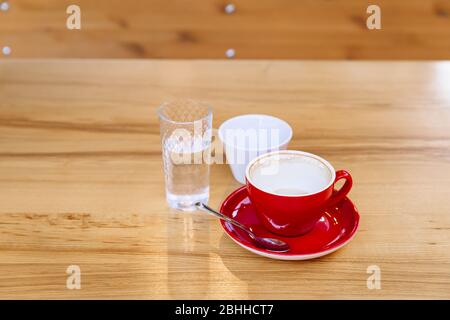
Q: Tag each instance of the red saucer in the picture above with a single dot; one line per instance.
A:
(336, 228)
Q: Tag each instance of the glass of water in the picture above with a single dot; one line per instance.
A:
(186, 132)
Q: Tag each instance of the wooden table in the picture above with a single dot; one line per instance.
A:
(81, 181)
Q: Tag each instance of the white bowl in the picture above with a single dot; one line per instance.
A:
(249, 136)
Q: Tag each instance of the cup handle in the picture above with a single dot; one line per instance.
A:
(340, 194)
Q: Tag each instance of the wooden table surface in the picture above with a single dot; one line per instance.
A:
(81, 179)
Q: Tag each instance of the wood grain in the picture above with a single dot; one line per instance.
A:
(265, 29)
(81, 178)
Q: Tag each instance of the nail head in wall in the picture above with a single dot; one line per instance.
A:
(6, 51)
(230, 8)
(230, 53)
(4, 6)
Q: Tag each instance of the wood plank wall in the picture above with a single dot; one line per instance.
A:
(283, 29)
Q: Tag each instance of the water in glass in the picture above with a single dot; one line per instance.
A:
(186, 141)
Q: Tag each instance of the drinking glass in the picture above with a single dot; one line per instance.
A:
(186, 132)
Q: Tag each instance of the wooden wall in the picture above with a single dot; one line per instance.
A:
(285, 29)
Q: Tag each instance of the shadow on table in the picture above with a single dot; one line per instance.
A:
(269, 278)
(188, 255)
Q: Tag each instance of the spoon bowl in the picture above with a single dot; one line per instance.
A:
(271, 244)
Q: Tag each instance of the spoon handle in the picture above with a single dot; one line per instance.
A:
(205, 208)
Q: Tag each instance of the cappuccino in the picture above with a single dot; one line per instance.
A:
(291, 174)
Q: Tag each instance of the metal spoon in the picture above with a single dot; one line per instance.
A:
(270, 244)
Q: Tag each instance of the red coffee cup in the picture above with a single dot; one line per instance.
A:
(290, 190)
